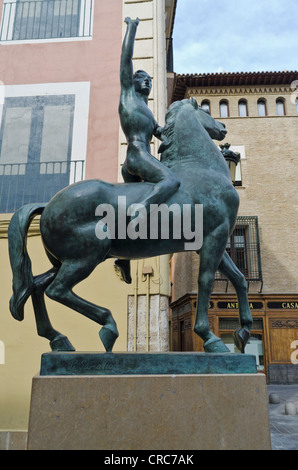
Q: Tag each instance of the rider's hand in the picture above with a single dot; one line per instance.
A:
(128, 20)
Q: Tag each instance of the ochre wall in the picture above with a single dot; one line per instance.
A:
(23, 347)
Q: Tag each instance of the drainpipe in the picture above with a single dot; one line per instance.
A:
(147, 271)
(135, 307)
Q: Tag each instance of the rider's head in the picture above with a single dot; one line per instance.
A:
(142, 82)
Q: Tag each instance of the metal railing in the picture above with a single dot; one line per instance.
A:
(46, 19)
(25, 183)
(244, 249)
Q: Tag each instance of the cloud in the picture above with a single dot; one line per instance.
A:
(235, 35)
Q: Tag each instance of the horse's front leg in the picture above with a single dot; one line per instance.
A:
(212, 343)
(228, 268)
(210, 256)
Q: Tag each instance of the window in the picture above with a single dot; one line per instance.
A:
(243, 247)
(43, 141)
(170, 55)
(280, 107)
(242, 107)
(35, 148)
(236, 248)
(254, 345)
(262, 111)
(46, 19)
(241, 150)
(297, 106)
(224, 109)
(206, 106)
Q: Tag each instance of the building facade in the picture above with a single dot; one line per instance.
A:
(59, 95)
(260, 112)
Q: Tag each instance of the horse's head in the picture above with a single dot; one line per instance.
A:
(184, 122)
(216, 130)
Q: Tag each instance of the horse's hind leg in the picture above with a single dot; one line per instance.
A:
(58, 342)
(70, 274)
(228, 268)
(210, 256)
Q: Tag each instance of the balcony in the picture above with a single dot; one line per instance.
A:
(25, 183)
(35, 20)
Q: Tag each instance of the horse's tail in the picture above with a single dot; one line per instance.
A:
(19, 258)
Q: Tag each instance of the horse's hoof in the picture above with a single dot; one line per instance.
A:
(17, 310)
(215, 345)
(123, 272)
(61, 343)
(108, 337)
(241, 336)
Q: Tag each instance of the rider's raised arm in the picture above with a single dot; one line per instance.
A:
(126, 66)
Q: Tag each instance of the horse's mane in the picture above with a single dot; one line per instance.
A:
(167, 136)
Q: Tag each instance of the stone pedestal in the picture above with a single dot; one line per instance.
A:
(149, 412)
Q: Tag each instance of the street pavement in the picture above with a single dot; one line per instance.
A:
(283, 427)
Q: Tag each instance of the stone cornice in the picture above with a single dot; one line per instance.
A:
(252, 90)
(221, 81)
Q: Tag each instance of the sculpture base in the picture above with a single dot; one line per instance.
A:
(90, 363)
(149, 412)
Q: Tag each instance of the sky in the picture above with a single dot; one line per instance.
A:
(214, 36)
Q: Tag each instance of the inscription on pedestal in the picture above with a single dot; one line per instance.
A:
(84, 363)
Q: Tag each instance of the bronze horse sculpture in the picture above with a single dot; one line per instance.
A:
(68, 231)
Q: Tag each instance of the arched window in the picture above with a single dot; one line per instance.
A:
(280, 107)
(224, 109)
(262, 111)
(242, 106)
(206, 105)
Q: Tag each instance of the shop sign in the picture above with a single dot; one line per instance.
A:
(234, 305)
(283, 305)
(211, 304)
